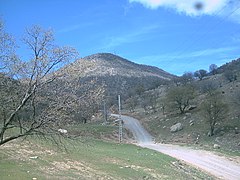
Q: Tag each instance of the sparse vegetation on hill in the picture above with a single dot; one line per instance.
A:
(108, 64)
(212, 110)
(116, 74)
(75, 92)
(45, 93)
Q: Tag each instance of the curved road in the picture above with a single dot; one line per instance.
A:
(218, 166)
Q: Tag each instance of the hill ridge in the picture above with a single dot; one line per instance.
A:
(102, 64)
(116, 74)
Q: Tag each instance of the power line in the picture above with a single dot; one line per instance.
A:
(195, 31)
(193, 44)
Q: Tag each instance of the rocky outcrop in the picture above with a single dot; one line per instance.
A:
(176, 127)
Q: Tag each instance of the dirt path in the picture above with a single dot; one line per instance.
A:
(219, 167)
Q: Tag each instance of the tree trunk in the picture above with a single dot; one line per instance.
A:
(211, 133)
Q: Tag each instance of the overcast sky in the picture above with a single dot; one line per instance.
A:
(174, 35)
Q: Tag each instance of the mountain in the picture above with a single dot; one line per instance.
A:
(106, 64)
(116, 74)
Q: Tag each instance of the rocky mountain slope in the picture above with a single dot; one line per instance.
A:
(116, 74)
(168, 125)
(106, 64)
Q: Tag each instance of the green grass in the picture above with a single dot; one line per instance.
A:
(88, 159)
(93, 130)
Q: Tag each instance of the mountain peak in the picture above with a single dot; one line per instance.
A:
(119, 75)
(102, 64)
(108, 57)
(107, 64)
(101, 55)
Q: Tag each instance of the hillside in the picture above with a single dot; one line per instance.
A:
(106, 64)
(195, 127)
(234, 66)
(116, 74)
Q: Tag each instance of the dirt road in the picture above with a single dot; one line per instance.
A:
(219, 167)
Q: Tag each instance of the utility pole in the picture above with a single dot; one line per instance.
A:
(120, 119)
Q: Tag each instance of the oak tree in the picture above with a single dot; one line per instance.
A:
(180, 97)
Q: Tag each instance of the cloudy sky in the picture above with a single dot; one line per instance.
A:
(175, 35)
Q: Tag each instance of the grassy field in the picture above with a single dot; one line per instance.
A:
(89, 158)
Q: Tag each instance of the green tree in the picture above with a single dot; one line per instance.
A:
(180, 97)
(139, 89)
(132, 103)
(200, 74)
(186, 78)
(213, 69)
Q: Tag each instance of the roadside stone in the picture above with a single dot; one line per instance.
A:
(176, 127)
(33, 157)
(191, 121)
(236, 130)
(216, 146)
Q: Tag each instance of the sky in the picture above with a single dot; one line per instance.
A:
(177, 36)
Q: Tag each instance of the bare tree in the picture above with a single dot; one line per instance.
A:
(214, 110)
(8, 57)
(207, 86)
(163, 104)
(154, 99)
(144, 102)
(230, 75)
(34, 75)
(236, 98)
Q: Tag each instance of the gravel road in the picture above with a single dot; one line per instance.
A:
(218, 166)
